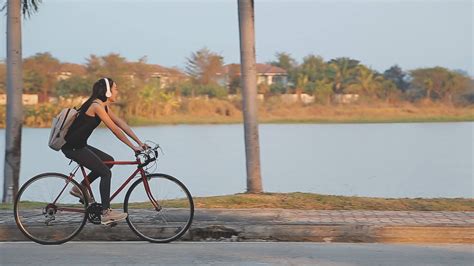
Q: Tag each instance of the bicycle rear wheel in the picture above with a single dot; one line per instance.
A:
(170, 220)
(45, 211)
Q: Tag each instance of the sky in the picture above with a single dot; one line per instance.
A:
(412, 34)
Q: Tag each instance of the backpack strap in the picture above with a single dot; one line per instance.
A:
(106, 107)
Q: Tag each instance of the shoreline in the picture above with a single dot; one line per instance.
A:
(219, 112)
(282, 121)
(286, 122)
(309, 121)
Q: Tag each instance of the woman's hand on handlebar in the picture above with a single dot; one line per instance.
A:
(137, 149)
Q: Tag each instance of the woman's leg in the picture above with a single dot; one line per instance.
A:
(87, 158)
(104, 157)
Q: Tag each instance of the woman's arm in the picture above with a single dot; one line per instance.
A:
(125, 127)
(100, 111)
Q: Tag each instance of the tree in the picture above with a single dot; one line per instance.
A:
(436, 82)
(249, 84)
(398, 76)
(342, 71)
(204, 67)
(313, 67)
(323, 91)
(94, 66)
(284, 60)
(457, 84)
(74, 86)
(367, 82)
(121, 71)
(14, 118)
(32, 81)
(301, 83)
(44, 68)
(288, 63)
(233, 73)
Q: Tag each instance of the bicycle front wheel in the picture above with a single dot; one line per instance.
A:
(166, 221)
(45, 211)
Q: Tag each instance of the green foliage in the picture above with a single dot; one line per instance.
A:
(439, 83)
(277, 88)
(288, 63)
(28, 7)
(313, 67)
(342, 71)
(323, 91)
(212, 90)
(398, 76)
(188, 89)
(366, 82)
(74, 86)
(142, 84)
(41, 72)
(32, 81)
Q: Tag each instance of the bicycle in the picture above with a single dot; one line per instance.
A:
(48, 214)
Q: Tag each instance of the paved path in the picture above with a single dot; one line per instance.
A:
(246, 253)
(299, 225)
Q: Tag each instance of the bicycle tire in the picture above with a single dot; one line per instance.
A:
(22, 223)
(142, 230)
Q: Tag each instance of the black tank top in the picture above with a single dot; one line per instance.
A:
(80, 130)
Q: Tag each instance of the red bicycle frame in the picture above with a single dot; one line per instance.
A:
(138, 170)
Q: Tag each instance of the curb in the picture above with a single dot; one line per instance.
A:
(233, 225)
(346, 233)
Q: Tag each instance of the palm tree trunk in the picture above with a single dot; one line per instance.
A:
(14, 102)
(249, 83)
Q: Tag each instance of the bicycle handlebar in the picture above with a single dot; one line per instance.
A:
(150, 154)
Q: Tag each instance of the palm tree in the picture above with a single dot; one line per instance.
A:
(342, 71)
(249, 84)
(14, 94)
(301, 82)
(367, 82)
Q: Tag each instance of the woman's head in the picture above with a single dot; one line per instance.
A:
(104, 89)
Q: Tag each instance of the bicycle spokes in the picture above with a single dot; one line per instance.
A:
(163, 213)
(45, 210)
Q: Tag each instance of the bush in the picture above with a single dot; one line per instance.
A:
(212, 90)
(277, 88)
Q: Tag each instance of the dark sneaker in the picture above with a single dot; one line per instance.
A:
(110, 216)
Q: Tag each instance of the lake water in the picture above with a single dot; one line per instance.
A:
(380, 160)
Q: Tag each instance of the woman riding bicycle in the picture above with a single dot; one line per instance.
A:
(93, 111)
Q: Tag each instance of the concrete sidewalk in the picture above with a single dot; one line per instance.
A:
(298, 225)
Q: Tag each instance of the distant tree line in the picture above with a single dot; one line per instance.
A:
(348, 76)
(147, 86)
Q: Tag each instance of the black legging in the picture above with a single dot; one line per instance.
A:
(92, 159)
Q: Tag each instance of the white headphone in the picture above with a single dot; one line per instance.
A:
(108, 93)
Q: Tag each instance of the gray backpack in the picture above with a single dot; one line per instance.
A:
(60, 127)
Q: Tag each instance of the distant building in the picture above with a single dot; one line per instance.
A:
(346, 98)
(166, 75)
(68, 70)
(266, 74)
(293, 98)
(28, 99)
